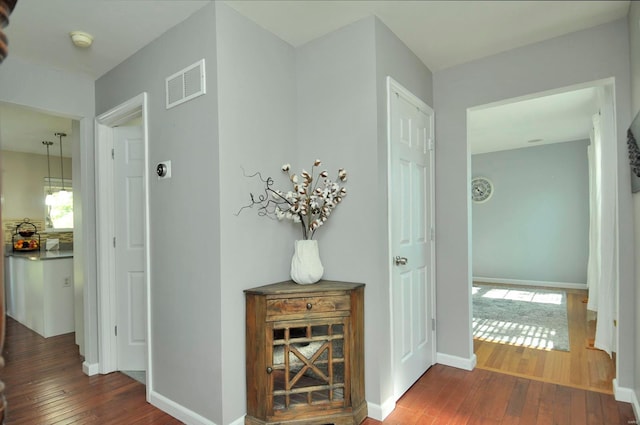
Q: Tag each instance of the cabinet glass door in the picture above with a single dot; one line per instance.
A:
(308, 364)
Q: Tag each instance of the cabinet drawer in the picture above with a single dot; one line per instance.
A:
(290, 308)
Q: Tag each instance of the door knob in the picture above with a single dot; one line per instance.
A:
(401, 261)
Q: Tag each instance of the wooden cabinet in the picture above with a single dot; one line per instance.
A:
(305, 354)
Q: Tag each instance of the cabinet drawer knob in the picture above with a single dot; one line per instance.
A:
(309, 306)
(269, 370)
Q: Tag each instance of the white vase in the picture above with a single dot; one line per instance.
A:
(306, 267)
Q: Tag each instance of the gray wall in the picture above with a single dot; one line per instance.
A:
(257, 114)
(62, 93)
(535, 227)
(337, 123)
(580, 57)
(342, 120)
(634, 50)
(184, 223)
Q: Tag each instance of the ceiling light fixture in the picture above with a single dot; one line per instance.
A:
(81, 39)
(534, 141)
(61, 135)
(49, 199)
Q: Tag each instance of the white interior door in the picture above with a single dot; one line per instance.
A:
(411, 229)
(129, 242)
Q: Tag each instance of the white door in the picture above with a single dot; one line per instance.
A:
(130, 272)
(411, 224)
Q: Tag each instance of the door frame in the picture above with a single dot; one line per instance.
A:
(394, 86)
(105, 229)
(606, 84)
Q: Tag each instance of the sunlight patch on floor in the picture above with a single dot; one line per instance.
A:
(537, 337)
(520, 295)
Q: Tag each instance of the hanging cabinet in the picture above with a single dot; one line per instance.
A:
(305, 354)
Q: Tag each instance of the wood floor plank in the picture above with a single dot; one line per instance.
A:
(625, 411)
(517, 400)
(500, 386)
(594, 409)
(474, 397)
(562, 406)
(579, 406)
(463, 384)
(610, 413)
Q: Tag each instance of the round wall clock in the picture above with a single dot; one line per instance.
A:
(481, 189)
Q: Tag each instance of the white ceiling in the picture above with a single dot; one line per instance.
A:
(39, 30)
(24, 129)
(440, 33)
(562, 117)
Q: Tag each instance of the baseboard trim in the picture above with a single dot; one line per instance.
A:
(178, 411)
(457, 362)
(565, 285)
(626, 395)
(380, 412)
(239, 421)
(90, 369)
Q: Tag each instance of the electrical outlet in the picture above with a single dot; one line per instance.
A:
(67, 281)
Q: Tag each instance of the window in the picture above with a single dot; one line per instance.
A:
(58, 205)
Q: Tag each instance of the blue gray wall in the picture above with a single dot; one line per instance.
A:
(535, 227)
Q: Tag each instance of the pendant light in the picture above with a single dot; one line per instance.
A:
(61, 135)
(48, 200)
(50, 192)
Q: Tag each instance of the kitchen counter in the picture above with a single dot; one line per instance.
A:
(40, 294)
(39, 255)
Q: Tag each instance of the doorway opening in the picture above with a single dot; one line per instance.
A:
(29, 175)
(536, 230)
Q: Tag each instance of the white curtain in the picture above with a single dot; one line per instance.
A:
(593, 265)
(601, 275)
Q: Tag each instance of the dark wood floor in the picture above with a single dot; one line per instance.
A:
(45, 386)
(446, 395)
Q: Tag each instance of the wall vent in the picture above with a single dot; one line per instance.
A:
(186, 84)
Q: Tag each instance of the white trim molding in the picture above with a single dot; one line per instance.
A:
(239, 421)
(626, 395)
(543, 283)
(178, 411)
(105, 230)
(380, 412)
(457, 362)
(90, 369)
(105, 266)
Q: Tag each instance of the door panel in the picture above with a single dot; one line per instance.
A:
(411, 198)
(130, 248)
